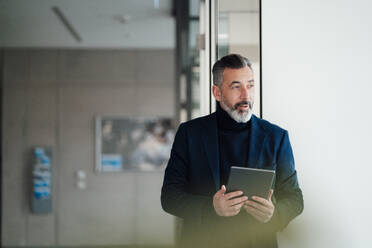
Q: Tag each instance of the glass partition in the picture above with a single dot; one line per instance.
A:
(238, 31)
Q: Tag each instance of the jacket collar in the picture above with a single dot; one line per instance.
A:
(256, 142)
(210, 140)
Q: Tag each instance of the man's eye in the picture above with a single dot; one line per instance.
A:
(235, 87)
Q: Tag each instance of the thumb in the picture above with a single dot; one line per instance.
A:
(222, 190)
(270, 194)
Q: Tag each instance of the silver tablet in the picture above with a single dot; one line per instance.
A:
(253, 182)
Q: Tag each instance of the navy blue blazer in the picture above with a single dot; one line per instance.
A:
(192, 177)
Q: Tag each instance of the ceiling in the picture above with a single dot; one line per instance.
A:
(99, 23)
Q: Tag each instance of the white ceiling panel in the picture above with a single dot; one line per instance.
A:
(99, 23)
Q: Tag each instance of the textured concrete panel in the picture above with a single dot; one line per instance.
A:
(113, 209)
(43, 67)
(76, 149)
(154, 226)
(40, 230)
(156, 68)
(85, 65)
(98, 83)
(14, 208)
(126, 65)
(79, 106)
(14, 182)
(41, 107)
(41, 136)
(13, 145)
(101, 214)
(13, 222)
(16, 67)
(156, 102)
(14, 106)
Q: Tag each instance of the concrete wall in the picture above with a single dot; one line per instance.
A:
(317, 84)
(50, 97)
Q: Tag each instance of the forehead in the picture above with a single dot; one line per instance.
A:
(243, 74)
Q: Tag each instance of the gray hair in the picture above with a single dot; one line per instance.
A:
(234, 61)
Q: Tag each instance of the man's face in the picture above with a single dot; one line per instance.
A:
(236, 94)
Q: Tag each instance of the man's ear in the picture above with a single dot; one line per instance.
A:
(216, 92)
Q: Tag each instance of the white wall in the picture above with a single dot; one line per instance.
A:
(317, 84)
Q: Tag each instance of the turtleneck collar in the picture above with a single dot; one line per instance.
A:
(225, 122)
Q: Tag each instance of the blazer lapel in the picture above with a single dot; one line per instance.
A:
(210, 140)
(256, 140)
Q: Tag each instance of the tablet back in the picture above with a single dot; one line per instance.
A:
(253, 182)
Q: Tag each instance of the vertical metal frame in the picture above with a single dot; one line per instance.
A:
(208, 27)
(204, 55)
(213, 29)
(1, 142)
(260, 42)
(98, 144)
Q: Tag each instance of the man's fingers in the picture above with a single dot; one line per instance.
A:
(223, 188)
(234, 210)
(263, 201)
(235, 201)
(259, 207)
(237, 207)
(221, 191)
(233, 194)
(254, 212)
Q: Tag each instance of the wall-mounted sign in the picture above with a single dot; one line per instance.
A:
(42, 180)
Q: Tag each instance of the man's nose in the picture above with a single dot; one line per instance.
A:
(244, 93)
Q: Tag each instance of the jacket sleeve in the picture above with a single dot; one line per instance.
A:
(175, 198)
(288, 195)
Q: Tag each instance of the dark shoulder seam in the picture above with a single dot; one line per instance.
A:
(198, 120)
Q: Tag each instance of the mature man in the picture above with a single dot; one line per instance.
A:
(203, 151)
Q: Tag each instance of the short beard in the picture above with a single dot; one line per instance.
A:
(240, 116)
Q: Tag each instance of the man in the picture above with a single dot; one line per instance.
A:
(203, 151)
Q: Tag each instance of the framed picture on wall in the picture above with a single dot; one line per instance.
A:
(133, 144)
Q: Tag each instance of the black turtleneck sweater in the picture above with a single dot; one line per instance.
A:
(233, 141)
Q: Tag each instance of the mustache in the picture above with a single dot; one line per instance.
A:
(243, 103)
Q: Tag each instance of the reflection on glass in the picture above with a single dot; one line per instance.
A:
(238, 31)
(189, 59)
(195, 63)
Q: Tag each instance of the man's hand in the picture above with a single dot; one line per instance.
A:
(261, 209)
(224, 205)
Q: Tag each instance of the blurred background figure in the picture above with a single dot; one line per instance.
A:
(153, 152)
